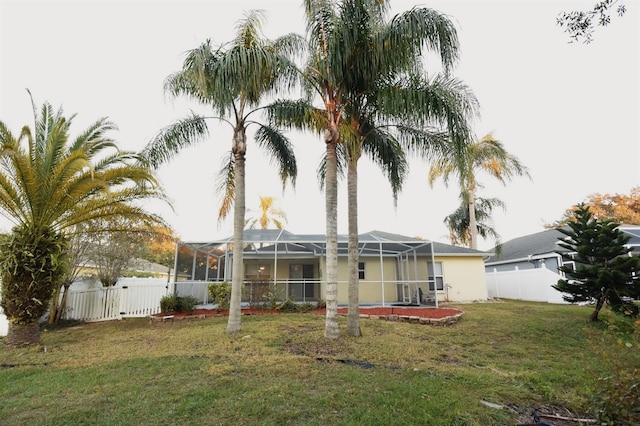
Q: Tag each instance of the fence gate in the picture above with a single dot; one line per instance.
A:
(109, 303)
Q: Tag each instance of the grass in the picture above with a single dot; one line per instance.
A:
(281, 371)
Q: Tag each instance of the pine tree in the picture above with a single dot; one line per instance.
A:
(605, 271)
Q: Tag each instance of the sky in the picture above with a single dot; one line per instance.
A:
(570, 112)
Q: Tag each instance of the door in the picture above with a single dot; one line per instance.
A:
(301, 282)
(309, 284)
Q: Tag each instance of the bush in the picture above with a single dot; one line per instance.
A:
(270, 299)
(288, 306)
(617, 399)
(255, 291)
(168, 303)
(186, 304)
(220, 294)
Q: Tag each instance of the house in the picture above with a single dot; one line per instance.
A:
(391, 269)
(526, 267)
(541, 250)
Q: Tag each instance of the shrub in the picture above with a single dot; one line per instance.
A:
(220, 294)
(254, 291)
(617, 399)
(168, 303)
(186, 304)
(270, 299)
(288, 306)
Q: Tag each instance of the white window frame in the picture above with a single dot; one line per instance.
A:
(435, 280)
(361, 271)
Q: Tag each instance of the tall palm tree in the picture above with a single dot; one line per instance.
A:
(321, 78)
(393, 104)
(49, 184)
(268, 214)
(458, 221)
(485, 155)
(365, 75)
(233, 80)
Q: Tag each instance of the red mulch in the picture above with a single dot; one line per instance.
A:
(410, 311)
(395, 310)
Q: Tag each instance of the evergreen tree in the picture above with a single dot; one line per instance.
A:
(605, 272)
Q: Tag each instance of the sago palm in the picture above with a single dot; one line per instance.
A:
(485, 155)
(233, 79)
(49, 184)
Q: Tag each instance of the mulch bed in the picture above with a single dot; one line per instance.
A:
(438, 315)
(435, 313)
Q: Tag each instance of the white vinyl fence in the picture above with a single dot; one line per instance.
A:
(131, 297)
(524, 284)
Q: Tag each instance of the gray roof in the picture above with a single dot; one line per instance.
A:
(545, 244)
(263, 241)
(540, 243)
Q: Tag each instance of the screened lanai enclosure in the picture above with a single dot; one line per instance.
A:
(282, 265)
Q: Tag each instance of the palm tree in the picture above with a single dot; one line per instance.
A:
(488, 155)
(392, 105)
(321, 79)
(458, 221)
(362, 72)
(268, 214)
(233, 79)
(49, 184)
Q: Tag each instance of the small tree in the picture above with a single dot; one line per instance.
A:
(605, 271)
(79, 246)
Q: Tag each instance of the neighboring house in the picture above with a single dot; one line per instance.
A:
(391, 269)
(141, 268)
(541, 249)
(526, 267)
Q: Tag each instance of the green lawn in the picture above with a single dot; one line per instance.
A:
(280, 370)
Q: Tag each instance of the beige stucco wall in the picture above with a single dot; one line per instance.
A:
(464, 277)
(371, 290)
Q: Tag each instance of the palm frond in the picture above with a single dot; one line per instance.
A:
(53, 182)
(424, 27)
(385, 151)
(297, 114)
(279, 148)
(174, 137)
(226, 185)
(341, 164)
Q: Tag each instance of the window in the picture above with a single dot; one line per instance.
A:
(568, 264)
(436, 281)
(361, 270)
(255, 271)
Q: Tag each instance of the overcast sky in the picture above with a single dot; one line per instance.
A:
(569, 112)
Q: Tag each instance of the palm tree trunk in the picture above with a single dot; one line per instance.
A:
(473, 226)
(23, 334)
(235, 314)
(331, 330)
(353, 315)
